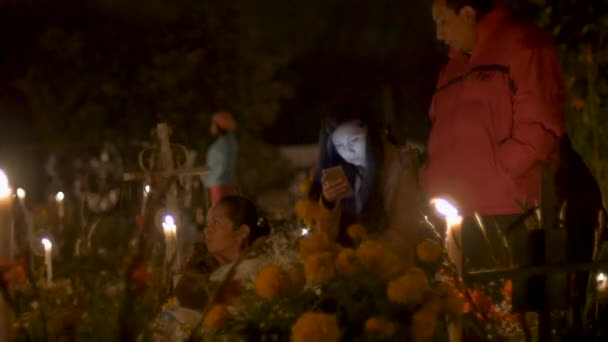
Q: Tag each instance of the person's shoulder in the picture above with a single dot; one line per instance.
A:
(525, 34)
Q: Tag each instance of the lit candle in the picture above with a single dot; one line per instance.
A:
(453, 241)
(6, 219)
(21, 196)
(147, 190)
(6, 252)
(48, 259)
(59, 197)
(453, 246)
(170, 230)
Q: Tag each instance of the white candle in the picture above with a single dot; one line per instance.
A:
(170, 230)
(453, 241)
(59, 197)
(146, 192)
(453, 246)
(6, 251)
(48, 259)
(21, 196)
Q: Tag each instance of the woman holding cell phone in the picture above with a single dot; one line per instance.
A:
(363, 178)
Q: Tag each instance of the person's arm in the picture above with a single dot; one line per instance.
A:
(538, 110)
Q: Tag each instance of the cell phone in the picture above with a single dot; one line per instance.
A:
(336, 173)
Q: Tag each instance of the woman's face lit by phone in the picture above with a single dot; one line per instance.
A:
(350, 142)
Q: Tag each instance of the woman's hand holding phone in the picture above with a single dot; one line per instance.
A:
(335, 185)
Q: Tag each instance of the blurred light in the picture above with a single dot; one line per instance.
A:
(445, 208)
(147, 189)
(47, 244)
(601, 277)
(5, 189)
(169, 224)
(20, 193)
(304, 231)
(60, 196)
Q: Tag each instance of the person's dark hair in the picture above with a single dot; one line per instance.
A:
(482, 7)
(370, 189)
(242, 211)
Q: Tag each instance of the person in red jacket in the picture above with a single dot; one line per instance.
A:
(498, 114)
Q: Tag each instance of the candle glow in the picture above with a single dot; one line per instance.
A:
(5, 189)
(20, 194)
(445, 208)
(60, 196)
(48, 245)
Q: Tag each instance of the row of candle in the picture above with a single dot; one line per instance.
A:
(6, 193)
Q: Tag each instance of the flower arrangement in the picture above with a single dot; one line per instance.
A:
(329, 292)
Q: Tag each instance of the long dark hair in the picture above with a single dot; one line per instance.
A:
(242, 211)
(370, 192)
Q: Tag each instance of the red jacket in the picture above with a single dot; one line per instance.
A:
(497, 115)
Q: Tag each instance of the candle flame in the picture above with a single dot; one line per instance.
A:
(47, 244)
(304, 231)
(601, 277)
(20, 193)
(5, 189)
(169, 224)
(445, 208)
(147, 189)
(60, 196)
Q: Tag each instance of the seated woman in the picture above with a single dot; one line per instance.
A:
(233, 225)
(378, 188)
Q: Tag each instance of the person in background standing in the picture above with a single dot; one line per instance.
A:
(222, 157)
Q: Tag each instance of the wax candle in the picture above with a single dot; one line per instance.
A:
(48, 259)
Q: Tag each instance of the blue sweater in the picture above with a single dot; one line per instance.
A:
(221, 160)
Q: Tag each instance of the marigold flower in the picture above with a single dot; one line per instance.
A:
(357, 232)
(271, 282)
(409, 288)
(347, 263)
(305, 186)
(216, 317)
(380, 327)
(375, 257)
(424, 324)
(315, 242)
(316, 327)
(428, 251)
(319, 268)
(308, 211)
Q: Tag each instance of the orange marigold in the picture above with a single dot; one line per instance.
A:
(319, 268)
(428, 251)
(308, 211)
(380, 327)
(315, 242)
(347, 263)
(305, 186)
(271, 282)
(409, 288)
(424, 324)
(357, 232)
(316, 327)
(375, 257)
(216, 317)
